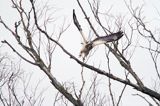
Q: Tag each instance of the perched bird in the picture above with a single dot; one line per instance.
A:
(100, 40)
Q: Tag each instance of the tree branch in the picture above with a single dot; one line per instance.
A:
(56, 84)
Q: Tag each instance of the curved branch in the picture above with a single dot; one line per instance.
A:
(127, 82)
(124, 63)
(54, 82)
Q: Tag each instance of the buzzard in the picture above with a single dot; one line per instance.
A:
(87, 46)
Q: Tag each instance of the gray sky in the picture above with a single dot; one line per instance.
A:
(65, 69)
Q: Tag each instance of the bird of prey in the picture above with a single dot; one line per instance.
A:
(100, 40)
(87, 46)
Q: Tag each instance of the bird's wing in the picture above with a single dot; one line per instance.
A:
(109, 38)
(79, 27)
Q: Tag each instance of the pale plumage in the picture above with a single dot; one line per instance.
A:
(100, 40)
(87, 46)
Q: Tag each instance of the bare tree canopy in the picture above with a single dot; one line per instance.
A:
(126, 65)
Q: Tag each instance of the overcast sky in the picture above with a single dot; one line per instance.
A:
(65, 69)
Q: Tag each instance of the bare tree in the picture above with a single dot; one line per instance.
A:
(32, 35)
(14, 85)
(31, 47)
